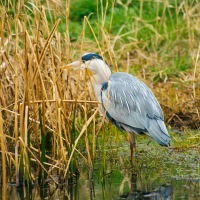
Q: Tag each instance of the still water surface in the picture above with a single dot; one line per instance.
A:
(157, 174)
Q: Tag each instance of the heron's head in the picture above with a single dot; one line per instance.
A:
(94, 63)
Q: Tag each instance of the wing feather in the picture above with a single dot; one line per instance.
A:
(131, 103)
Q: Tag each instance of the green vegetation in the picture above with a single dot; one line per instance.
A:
(50, 125)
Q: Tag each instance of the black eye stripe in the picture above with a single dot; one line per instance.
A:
(91, 56)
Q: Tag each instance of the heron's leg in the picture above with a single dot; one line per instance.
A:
(131, 138)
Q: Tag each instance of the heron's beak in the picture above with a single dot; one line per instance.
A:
(78, 65)
(74, 65)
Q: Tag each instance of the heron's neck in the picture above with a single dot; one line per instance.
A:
(98, 80)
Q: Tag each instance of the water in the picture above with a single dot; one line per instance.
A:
(172, 189)
(158, 173)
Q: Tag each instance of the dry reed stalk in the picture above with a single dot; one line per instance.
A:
(58, 164)
(38, 70)
(3, 158)
(107, 42)
(16, 106)
(17, 162)
(89, 160)
(67, 28)
(128, 62)
(65, 101)
(78, 138)
(35, 157)
(62, 150)
(22, 135)
(38, 63)
(93, 139)
(26, 160)
(26, 126)
(21, 114)
(194, 72)
(112, 14)
(53, 163)
(141, 8)
(93, 33)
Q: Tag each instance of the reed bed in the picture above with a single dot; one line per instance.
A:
(49, 114)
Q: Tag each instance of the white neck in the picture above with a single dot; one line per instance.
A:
(101, 76)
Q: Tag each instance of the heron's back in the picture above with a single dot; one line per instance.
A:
(133, 107)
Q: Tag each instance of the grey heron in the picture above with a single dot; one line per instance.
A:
(127, 102)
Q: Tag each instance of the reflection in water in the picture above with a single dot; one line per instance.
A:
(124, 189)
(162, 193)
(154, 176)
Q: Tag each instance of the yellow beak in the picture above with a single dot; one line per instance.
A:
(74, 65)
(78, 65)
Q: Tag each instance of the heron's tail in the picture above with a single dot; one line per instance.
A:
(158, 131)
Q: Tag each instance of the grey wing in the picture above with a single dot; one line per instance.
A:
(131, 106)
